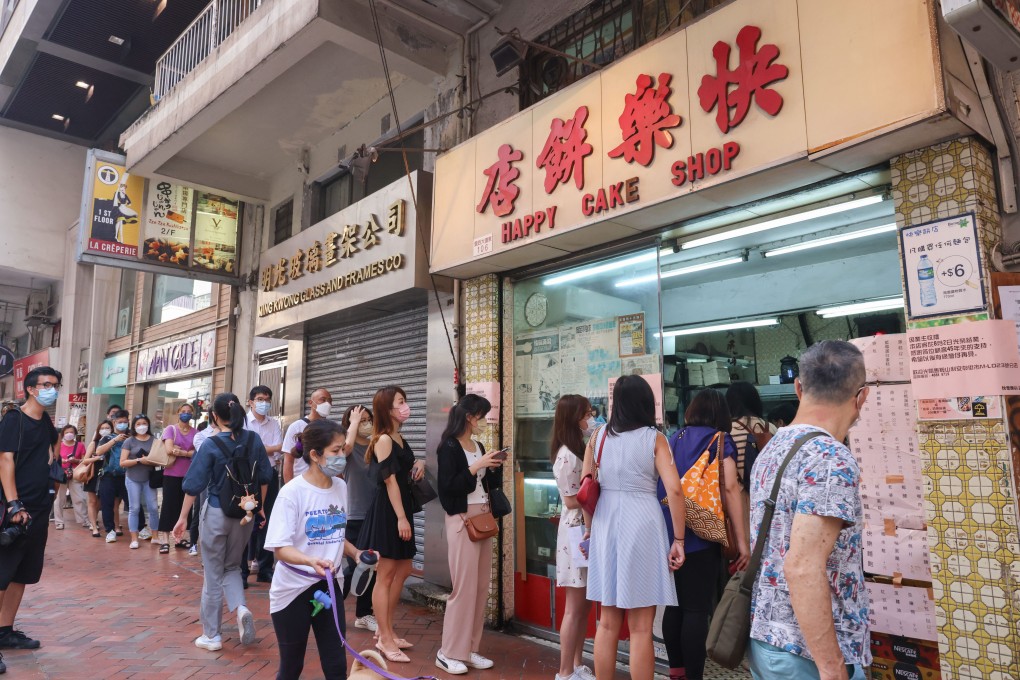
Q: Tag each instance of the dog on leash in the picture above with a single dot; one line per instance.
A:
(360, 672)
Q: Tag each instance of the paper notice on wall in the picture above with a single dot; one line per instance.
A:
(632, 334)
(960, 408)
(977, 357)
(537, 372)
(1009, 299)
(489, 391)
(902, 611)
(890, 550)
(885, 357)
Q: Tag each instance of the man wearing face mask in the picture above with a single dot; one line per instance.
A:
(260, 402)
(320, 403)
(27, 440)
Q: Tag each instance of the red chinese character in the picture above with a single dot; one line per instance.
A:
(500, 188)
(564, 151)
(752, 78)
(646, 115)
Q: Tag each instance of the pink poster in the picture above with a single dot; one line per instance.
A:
(977, 357)
(654, 380)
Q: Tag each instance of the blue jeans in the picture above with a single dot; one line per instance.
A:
(772, 663)
(136, 492)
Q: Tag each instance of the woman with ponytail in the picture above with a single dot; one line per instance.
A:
(223, 539)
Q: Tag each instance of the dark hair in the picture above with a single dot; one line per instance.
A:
(115, 406)
(32, 379)
(97, 436)
(229, 413)
(382, 421)
(569, 411)
(202, 425)
(785, 412)
(141, 416)
(121, 414)
(67, 427)
(633, 405)
(709, 409)
(318, 435)
(345, 422)
(744, 401)
(259, 389)
(468, 405)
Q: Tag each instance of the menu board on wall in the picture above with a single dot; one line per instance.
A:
(168, 223)
(215, 233)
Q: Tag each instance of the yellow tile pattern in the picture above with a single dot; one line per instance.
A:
(970, 500)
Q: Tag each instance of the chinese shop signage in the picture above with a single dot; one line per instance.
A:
(187, 355)
(723, 99)
(362, 252)
(941, 267)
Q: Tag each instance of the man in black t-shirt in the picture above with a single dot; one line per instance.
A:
(27, 440)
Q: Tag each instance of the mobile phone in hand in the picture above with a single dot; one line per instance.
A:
(502, 454)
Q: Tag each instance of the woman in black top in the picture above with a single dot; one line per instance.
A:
(466, 474)
(387, 528)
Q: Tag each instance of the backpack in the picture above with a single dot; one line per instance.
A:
(757, 439)
(240, 479)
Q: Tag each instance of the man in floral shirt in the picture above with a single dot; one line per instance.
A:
(809, 606)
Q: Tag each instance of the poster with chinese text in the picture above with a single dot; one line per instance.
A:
(632, 334)
(941, 267)
(168, 223)
(215, 233)
(537, 373)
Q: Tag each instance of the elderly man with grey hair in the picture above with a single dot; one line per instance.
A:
(809, 606)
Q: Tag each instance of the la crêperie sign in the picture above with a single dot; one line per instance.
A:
(646, 118)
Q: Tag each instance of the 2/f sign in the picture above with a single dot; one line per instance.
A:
(941, 267)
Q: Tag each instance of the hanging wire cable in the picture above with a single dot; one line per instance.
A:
(410, 182)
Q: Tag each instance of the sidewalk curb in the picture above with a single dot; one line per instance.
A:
(427, 595)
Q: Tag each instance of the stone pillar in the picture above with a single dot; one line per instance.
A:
(970, 500)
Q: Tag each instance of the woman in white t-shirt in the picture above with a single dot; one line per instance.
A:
(307, 531)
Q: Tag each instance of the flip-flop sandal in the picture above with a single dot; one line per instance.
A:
(164, 548)
(183, 545)
(396, 657)
(120, 531)
(403, 644)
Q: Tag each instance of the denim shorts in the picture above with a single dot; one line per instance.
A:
(772, 663)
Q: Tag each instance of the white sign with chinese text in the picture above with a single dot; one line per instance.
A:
(977, 357)
(942, 267)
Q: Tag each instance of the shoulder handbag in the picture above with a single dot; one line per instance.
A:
(57, 474)
(159, 455)
(591, 489)
(702, 487)
(83, 472)
(498, 502)
(481, 526)
(422, 492)
(730, 630)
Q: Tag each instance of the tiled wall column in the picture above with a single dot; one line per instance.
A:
(481, 342)
(970, 499)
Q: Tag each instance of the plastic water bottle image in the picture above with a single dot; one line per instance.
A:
(364, 572)
(926, 279)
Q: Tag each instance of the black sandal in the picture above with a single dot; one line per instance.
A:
(120, 531)
(164, 548)
(183, 545)
(95, 533)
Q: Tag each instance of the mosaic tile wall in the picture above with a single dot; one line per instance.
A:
(970, 499)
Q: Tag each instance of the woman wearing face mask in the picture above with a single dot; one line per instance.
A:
(574, 417)
(361, 494)
(466, 473)
(179, 441)
(91, 487)
(134, 459)
(72, 452)
(112, 490)
(387, 529)
(307, 533)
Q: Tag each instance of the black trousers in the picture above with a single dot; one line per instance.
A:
(112, 487)
(292, 624)
(173, 501)
(364, 605)
(256, 546)
(685, 627)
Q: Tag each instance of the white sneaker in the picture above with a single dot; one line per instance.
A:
(584, 672)
(572, 676)
(134, 545)
(245, 625)
(193, 551)
(366, 622)
(145, 534)
(451, 666)
(478, 661)
(211, 644)
(111, 537)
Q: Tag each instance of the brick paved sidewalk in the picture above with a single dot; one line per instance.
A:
(104, 611)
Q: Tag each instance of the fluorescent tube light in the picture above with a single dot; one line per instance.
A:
(585, 272)
(829, 240)
(82, 84)
(680, 271)
(861, 307)
(784, 221)
(736, 325)
(57, 116)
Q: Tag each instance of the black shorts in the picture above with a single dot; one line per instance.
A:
(22, 561)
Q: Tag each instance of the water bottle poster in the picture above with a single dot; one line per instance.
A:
(941, 267)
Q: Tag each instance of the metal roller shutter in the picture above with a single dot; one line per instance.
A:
(353, 362)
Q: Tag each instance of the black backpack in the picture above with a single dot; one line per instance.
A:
(240, 479)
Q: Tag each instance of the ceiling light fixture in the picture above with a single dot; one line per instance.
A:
(829, 240)
(680, 271)
(82, 84)
(736, 325)
(866, 307)
(57, 116)
(116, 40)
(784, 221)
(585, 272)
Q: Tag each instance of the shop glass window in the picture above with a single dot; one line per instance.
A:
(174, 297)
(283, 221)
(575, 331)
(163, 399)
(334, 196)
(125, 302)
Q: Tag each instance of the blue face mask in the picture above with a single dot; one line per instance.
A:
(47, 396)
(185, 417)
(333, 466)
(121, 427)
(262, 407)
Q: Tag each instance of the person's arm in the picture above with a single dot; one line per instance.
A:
(357, 413)
(564, 474)
(812, 539)
(199, 473)
(452, 479)
(735, 500)
(666, 467)
(10, 489)
(288, 467)
(383, 449)
(587, 468)
(182, 522)
(125, 461)
(92, 454)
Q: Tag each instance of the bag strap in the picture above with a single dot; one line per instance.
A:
(770, 510)
(605, 435)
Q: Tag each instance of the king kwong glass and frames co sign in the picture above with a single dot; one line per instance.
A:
(365, 252)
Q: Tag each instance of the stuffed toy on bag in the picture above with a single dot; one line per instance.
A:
(248, 504)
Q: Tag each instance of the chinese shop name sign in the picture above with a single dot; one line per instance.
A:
(978, 357)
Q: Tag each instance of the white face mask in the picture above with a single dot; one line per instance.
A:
(365, 430)
(590, 426)
(105, 432)
(141, 429)
(69, 437)
(324, 408)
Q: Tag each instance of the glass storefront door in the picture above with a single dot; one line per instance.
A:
(163, 399)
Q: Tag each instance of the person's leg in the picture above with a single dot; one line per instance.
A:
(93, 509)
(237, 541)
(695, 600)
(385, 574)
(291, 625)
(642, 653)
(107, 494)
(149, 494)
(396, 588)
(672, 627)
(134, 494)
(483, 579)
(58, 506)
(170, 512)
(331, 650)
(460, 607)
(10, 602)
(607, 638)
(244, 565)
(265, 557)
(122, 499)
(572, 629)
(195, 523)
(214, 547)
(78, 502)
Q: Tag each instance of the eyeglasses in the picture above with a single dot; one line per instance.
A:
(48, 385)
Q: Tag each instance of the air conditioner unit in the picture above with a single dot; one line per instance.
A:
(991, 26)
(38, 305)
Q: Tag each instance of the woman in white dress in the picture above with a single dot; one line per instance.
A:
(630, 557)
(573, 416)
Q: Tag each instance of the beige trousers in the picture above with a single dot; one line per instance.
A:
(471, 573)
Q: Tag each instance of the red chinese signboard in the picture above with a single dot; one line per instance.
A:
(645, 119)
(25, 364)
(565, 150)
(500, 190)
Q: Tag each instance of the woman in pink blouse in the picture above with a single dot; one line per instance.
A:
(179, 440)
(71, 453)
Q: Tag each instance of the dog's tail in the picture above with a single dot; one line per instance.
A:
(372, 655)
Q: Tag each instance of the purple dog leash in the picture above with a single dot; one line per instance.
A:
(367, 663)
